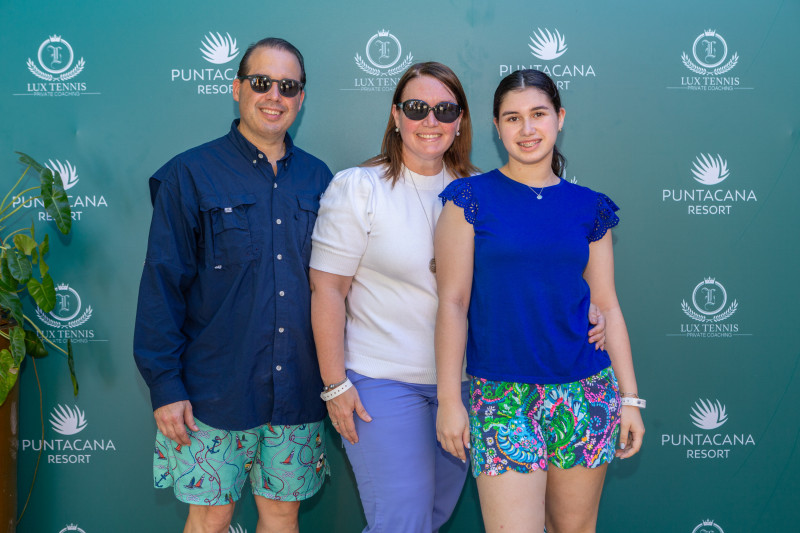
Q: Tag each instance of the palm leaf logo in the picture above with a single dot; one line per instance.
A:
(67, 171)
(708, 415)
(67, 421)
(218, 49)
(709, 170)
(546, 45)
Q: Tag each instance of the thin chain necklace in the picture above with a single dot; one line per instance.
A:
(538, 194)
(432, 262)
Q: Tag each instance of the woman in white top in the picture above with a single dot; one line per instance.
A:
(373, 304)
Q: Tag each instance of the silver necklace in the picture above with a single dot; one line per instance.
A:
(538, 194)
(432, 262)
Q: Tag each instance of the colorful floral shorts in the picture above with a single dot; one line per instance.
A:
(284, 463)
(522, 426)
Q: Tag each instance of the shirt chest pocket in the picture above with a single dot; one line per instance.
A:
(306, 217)
(228, 238)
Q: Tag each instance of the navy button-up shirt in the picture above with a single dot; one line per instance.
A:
(224, 313)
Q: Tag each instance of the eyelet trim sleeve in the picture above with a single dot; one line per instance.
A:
(460, 193)
(605, 218)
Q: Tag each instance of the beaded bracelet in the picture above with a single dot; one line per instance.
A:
(332, 386)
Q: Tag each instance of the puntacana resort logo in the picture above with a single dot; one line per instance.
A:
(710, 64)
(69, 318)
(382, 63)
(220, 51)
(711, 197)
(711, 443)
(80, 204)
(236, 529)
(57, 68)
(708, 526)
(548, 46)
(74, 444)
(72, 527)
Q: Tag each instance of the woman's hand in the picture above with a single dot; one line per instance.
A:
(452, 428)
(341, 409)
(631, 432)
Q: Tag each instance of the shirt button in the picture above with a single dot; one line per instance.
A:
(255, 161)
(280, 330)
(278, 368)
(261, 156)
(280, 257)
(274, 185)
(278, 221)
(281, 293)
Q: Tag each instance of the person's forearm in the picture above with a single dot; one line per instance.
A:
(328, 322)
(618, 347)
(450, 340)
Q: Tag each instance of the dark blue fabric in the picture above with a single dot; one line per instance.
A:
(529, 304)
(223, 318)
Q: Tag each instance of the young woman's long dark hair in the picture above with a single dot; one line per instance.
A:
(457, 156)
(522, 79)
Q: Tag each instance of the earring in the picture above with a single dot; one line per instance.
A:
(458, 132)
(396, 129)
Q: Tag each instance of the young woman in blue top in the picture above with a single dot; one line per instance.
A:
(519, 251)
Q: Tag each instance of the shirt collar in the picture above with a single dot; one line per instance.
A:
(250, 151)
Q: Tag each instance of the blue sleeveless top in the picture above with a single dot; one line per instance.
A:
(528, 311)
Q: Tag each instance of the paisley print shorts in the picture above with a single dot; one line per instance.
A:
(523, 427)
(283, 462)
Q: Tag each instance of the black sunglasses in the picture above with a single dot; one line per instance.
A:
(262, 84)
(446, 112)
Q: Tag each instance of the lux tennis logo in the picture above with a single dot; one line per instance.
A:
(710, 63)
(57, 67)
(710, 310)
(383, 63)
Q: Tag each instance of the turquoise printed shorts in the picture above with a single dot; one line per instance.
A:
(523, 427)
(284, 463)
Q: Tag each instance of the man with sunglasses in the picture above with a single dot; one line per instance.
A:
(223, 334)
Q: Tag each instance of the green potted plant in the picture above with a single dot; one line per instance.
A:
(23, 271)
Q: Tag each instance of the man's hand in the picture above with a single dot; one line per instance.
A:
(597, 334)
(172, 420)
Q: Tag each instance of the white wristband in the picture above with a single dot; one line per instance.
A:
(636, 402)
(333, 393)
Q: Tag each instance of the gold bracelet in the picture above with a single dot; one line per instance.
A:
(628, 395)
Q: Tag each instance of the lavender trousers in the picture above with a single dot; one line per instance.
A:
(407, 482)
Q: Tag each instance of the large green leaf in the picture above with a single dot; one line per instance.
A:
(17, 343)
(19, 265)
(7, 281)
(8, 374)
(56, 202)
(11, 302)
(34, 345)
(24, 243)
(44, 247)
(25, 159)
(44, 293)
(71, 362)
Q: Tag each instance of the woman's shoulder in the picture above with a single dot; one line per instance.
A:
(582, 192)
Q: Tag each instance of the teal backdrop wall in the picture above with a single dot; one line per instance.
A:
(684, 112)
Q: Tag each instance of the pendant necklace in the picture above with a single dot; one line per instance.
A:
(538, 194)
(432, 262)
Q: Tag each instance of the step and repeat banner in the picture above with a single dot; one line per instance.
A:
(686, 114)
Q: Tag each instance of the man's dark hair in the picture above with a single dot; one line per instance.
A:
(277, 44)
